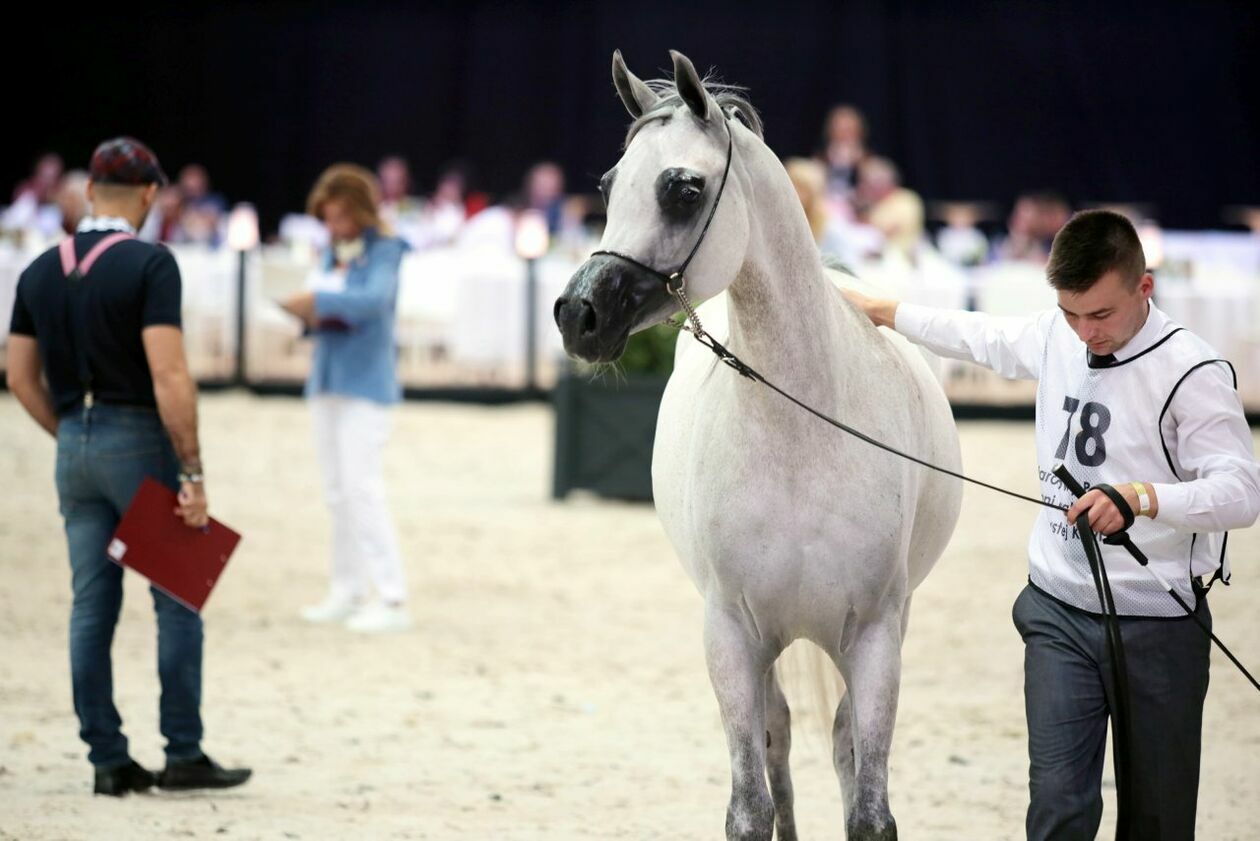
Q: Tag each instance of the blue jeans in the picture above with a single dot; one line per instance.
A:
(103, 454)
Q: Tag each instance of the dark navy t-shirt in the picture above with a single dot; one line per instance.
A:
(131, 286)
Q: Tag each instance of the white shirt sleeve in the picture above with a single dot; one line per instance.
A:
(1214, 453)
(1012, 347)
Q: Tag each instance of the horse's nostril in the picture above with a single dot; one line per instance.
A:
(589, 319)
(555, 311)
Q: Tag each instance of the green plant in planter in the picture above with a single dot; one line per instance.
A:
(606, 419)
(649, 353)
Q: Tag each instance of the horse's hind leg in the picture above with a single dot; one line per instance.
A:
(873, 675)
(737, 669)
(778, 746)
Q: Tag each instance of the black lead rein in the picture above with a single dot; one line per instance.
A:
(676, 285)
(1120, 538)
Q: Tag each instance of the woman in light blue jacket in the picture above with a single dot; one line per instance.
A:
(350, 312)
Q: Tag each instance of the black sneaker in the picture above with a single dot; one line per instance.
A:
(116, 782)
(200, 773)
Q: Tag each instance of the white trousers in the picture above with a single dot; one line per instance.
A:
(350, 436)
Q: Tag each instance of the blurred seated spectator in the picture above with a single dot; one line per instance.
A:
(163, 222)
(1035, 219)
(461, 175)
(542, 189)
(202, 212)
(42, 184)
(439, 219)
(304, 236)
(72, 200)
(34, 209)
(893, 210)
(843, 150)
(809, 177)
(397, 202)
(493, 228)
(399, 209)
(961, 241)
(544, 192)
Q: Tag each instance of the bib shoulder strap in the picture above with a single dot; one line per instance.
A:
(70, 264)
(100, 248)
(68, 261)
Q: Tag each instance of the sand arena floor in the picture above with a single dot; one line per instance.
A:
(554, 684)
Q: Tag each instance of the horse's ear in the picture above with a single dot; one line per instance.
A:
(636, 96)
(690, 88)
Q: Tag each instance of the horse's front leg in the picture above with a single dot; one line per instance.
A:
(737, 668)
(873, 674)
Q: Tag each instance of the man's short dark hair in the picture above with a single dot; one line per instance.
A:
(1092, 243)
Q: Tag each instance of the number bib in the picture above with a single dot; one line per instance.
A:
(1104, 423)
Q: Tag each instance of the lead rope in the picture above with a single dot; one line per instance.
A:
(693, 326)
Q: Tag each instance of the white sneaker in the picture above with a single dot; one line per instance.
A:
(334, 608)
(379, 618)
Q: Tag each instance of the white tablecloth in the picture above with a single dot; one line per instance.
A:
(463, 310)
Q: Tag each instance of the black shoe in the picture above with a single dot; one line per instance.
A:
(118, 781)
(200, 773)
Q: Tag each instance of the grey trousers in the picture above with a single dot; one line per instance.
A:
(1068, 697)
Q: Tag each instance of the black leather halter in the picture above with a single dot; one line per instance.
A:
(676, 281)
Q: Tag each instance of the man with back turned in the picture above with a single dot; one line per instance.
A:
(96, 357)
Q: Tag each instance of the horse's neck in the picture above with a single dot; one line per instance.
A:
(785, 319)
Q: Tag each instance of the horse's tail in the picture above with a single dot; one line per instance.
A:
(814, 688)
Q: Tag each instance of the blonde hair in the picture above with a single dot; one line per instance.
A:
(352, 184)
(810, 180)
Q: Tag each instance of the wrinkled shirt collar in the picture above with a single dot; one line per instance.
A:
(1152, 331)
(105, 223)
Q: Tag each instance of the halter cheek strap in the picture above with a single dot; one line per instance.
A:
(676, 281)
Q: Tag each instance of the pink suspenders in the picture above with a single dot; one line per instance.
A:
(68, 263)
(75, 272)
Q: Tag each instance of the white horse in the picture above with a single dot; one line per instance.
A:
(789, 528)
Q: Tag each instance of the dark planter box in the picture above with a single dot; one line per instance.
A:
(604, 434)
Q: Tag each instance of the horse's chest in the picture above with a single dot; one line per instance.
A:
(741, 489)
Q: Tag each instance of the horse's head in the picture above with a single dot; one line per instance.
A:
(659, 199)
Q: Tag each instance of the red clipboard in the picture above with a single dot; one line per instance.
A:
(181, 561)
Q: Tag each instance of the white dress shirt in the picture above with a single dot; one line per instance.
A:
(1166, 412)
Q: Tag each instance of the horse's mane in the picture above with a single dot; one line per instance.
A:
(730, 98)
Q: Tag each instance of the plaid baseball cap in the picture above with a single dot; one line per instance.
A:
(125, 160)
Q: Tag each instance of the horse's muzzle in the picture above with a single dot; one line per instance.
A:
(606, 300)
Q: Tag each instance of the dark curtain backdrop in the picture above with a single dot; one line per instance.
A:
(1104, 101)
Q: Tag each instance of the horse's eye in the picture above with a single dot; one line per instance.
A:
(605, 185)
(680, 192)
(687, 193)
